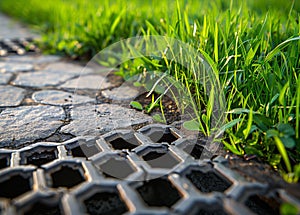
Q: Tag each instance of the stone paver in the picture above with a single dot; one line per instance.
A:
(93, 82)
(121, 93)
(11, 96)
(56, 97)
(98, 119)
(29, 123)
(15, 67)
(11, 29)
(70, 68)
(32, 59)
(5, 77)
(42, 78)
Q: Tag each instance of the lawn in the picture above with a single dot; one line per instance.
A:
(253, 48)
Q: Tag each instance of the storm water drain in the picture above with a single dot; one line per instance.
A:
(105, 203)
(84, 150)
(160, 137)
(262, 205)
(38, 158)
(208, 182)
(17, 46)
(159, 192)
(4, 161)
(120, 143)
(14, 186)
(66, 177)
(117, 168)
(41, 208)
(197, 151)
(160, 159)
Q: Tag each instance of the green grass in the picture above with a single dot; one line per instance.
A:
(253, 48)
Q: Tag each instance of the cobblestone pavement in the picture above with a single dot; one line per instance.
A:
(76, 153)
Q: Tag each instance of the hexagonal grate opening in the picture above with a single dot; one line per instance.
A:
(203, 208)
(118, 168)
(15, 186)
(208, 182)
(4, 161)
(40, 208)
(262, 205)
(161, 159)
(121, 143)
(160, 137)
(105, 203)
(159, 192)
(197, 151)
(66, 177)
(84, 150)
(39, 157)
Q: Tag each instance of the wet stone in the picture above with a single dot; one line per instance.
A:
(5, 77)
(99, 119)
(121, 93)
(28, 123)
(70, 68)
(93, 82)
(55, 97)
(15, 67)
(11, 96)
(34, 59)
(42, 78)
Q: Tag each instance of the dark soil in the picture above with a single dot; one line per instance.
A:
(159, 192)
(171, 111)
(105, 204)
(40, 208)
(256, 170)
(208, 182)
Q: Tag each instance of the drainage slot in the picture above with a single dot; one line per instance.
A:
(66, 177)
(208, 182)
(105, 203)
(41, 208)
(210, 211)
(159, 192)
(4, 161)
(84, 150)
(14, 186)
(262, 205)
(120, 143)
(117, 168)
(197, 151)
(160, 137)
(40, 158)
(160, 159)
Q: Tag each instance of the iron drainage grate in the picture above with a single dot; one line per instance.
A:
(19, 46)
(129, 172)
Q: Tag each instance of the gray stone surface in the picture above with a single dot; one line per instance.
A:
(11, 96)
(11, 29)
(121, 93)
(68, 68)
(29, 123)
(42, 78)
(15, 67)
(56, 97)
(33, 59)
(5, 77)
(98, 119)
(94, 82)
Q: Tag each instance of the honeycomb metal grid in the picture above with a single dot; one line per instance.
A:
(59, 178)
(18, 46)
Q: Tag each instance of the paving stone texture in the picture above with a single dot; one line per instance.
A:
(111, 148)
